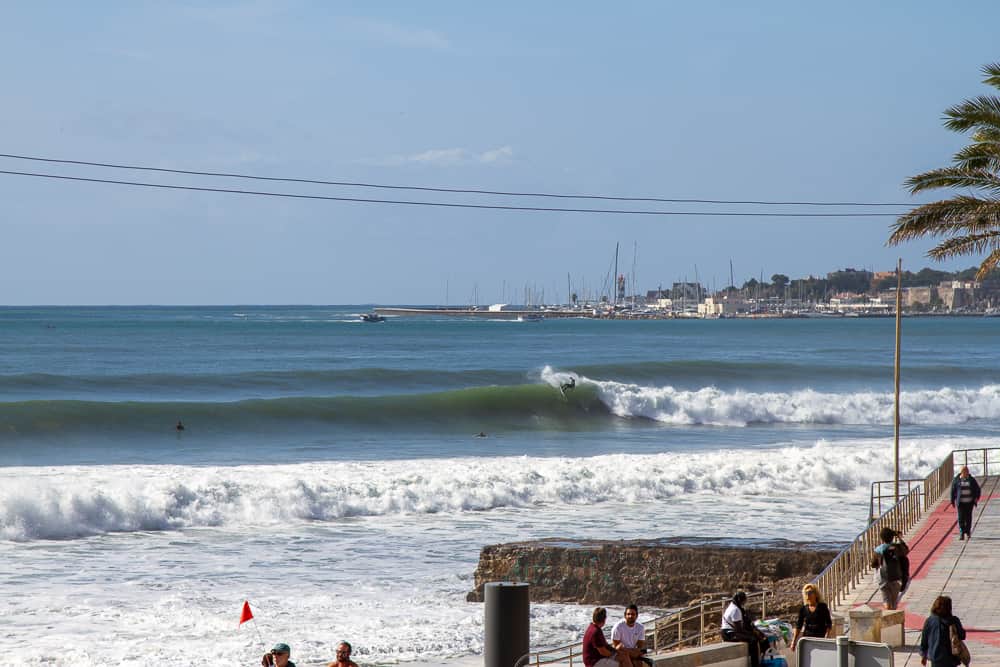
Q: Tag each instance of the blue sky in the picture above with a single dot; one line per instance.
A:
(722, 100)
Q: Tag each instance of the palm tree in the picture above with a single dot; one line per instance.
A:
(970, 223)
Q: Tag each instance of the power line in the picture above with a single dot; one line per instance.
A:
(501, 193)
(497, 207)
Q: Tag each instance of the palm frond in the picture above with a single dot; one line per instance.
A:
(959, 215)
(992, 72)
(954, 177)
(989, 265)
(982, 111)
(970, 244)
(987, 135)
(983, 155)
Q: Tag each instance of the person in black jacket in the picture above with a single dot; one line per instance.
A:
(814, 616)
(965, 494)
(935, 640)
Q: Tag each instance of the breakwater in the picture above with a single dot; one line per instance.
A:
(653, 573)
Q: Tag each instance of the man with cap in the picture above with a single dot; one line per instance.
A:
(278, 656)
(343, 656)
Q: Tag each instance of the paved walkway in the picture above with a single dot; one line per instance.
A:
(967, 571)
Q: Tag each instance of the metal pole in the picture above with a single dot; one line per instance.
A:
(899, 322)
(843, 650)
(507, 623)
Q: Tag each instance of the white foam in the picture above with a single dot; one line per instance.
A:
(71, 502)
(712, 406)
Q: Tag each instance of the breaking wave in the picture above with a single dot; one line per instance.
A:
(78, 501)
(540, 406)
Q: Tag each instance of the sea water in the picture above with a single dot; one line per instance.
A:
(329, 471)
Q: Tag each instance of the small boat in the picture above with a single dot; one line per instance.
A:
(372, 317)
(530, 317)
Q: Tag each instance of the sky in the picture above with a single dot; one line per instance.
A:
(781, 100)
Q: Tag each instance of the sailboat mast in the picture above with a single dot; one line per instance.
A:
(614, 280)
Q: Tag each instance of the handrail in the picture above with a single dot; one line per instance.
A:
(688, 625)
(877, 495)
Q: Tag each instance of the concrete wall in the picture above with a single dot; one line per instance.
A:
(726, 654)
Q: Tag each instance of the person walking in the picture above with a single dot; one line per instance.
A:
(936, 641)
(893, 566)
(814, 616)
(965, 493)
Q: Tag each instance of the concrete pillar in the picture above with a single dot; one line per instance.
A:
(506, 624)
(866, 624)
(893, 621)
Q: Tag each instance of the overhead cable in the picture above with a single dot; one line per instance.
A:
(499, 193)
(448, 204)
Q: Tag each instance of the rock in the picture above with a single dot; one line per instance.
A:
(661, 573)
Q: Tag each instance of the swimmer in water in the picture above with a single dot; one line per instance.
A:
(180, 425)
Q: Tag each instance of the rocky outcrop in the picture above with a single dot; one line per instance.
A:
(653, 573)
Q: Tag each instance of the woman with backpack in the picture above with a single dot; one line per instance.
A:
(942, 640)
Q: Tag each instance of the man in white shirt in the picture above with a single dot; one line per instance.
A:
(629, 638)
(738, 627)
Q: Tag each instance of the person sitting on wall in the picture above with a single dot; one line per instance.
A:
(628, 638)
(737, 626)
(596, 652)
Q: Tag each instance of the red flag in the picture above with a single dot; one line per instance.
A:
(246, 614)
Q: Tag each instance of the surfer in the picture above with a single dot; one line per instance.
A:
(180, 425)
(566, 386)
(481, 434)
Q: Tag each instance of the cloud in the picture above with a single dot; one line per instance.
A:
(450, 157)
(398, 35)
(501, 154)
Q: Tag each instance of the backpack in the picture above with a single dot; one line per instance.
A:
(891, 566)
(904, 565)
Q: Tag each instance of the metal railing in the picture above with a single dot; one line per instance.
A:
(884, 491)
(695, 625)
(979, 466)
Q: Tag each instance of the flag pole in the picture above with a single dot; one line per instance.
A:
(246, 614)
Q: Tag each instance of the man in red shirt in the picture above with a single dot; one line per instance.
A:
(596, 652)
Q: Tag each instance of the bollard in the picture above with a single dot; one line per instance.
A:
(506, 625)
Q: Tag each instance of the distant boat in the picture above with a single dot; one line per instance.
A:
(530, 317)
(992, 312)
(372, 317)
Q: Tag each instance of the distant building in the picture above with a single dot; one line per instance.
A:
(957, 294)
(913, 296)
(719, 307)
(882, 275)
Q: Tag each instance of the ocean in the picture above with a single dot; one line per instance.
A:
(329, 470)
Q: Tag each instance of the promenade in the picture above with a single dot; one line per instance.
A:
(967, 571)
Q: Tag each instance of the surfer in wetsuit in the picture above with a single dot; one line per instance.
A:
(566, 386)
(481, 434)
(180, 425)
